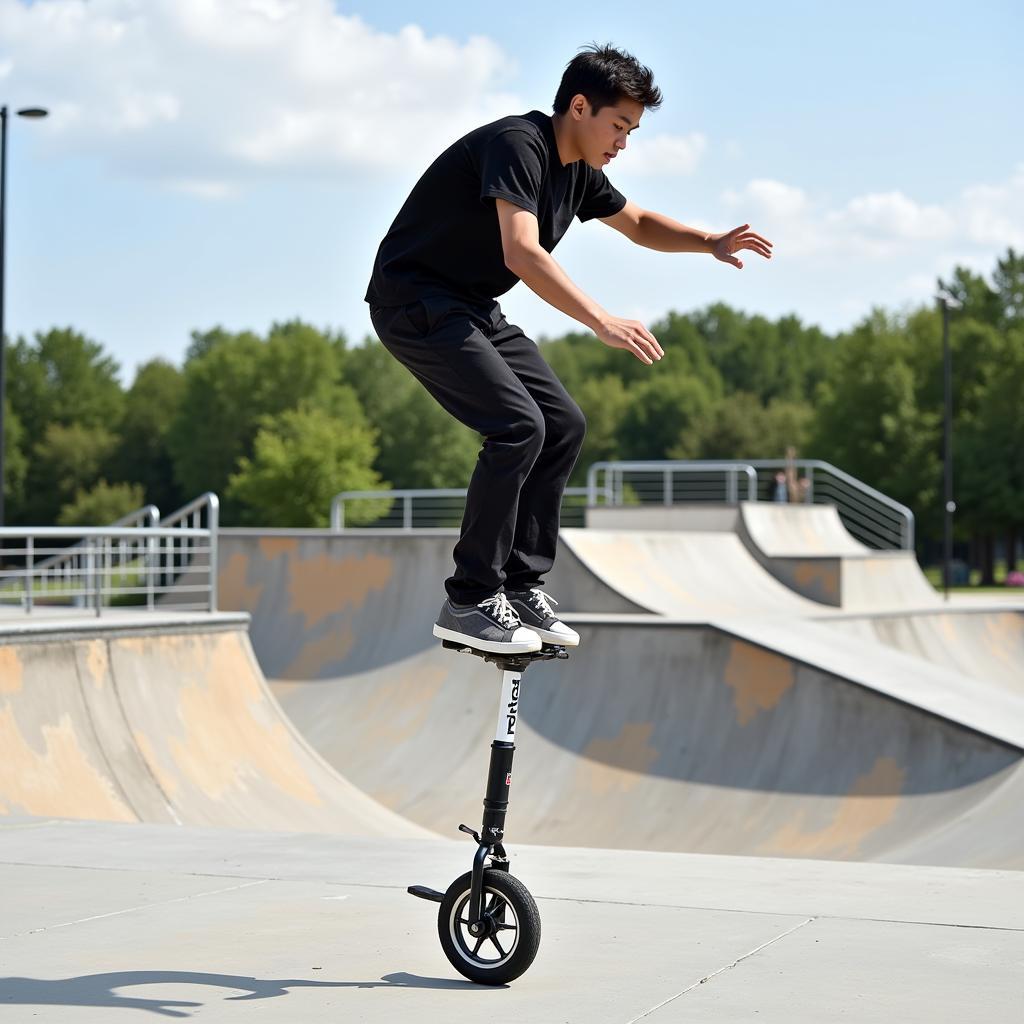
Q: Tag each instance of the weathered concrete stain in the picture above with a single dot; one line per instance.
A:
(818, 581)
(60, 780)
(224, 744)
(97, 662)
(871, 803)
(11, 672)
(321, 586)
(274, 547)
(233, 586)
(619, 763)
(332, 647)
(759, 679)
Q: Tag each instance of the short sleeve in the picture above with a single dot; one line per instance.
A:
(512, 168)
(601, 198)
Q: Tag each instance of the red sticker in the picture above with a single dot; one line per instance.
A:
(508, 779)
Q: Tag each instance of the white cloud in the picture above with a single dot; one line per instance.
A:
(203, 94)
(885, 225)
(661, 155)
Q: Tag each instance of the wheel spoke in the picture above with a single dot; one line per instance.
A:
(479, 943)
(494, 940)
(506, 927)
(465, 921)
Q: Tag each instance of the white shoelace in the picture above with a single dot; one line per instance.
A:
(499, 607)
(540, 601)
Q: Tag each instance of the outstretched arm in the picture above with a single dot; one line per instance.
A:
(537, 269)
(656, 231)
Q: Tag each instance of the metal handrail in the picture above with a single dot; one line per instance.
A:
(105, 559)
(903, 517)
(613, 480)
(407, 497)
(207, 506)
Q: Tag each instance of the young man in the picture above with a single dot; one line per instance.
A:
(486, 214)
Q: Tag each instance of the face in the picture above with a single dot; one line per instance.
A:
(602, 136)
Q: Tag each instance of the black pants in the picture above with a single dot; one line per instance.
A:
(492, 378)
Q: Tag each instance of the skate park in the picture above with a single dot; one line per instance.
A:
(766, 767)
(278, 280)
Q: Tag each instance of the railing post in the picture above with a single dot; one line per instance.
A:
(30, 555)
(407, 513)
(213, 524)
(731, 492)
(666, 486)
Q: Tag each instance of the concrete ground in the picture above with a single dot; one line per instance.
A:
(167, 922)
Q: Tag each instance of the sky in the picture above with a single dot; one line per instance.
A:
(235, 163)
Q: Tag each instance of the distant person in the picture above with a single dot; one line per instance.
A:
(803, 490)
(486, 214)
(780, 492)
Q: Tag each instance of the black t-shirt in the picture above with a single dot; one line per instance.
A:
(446, 239)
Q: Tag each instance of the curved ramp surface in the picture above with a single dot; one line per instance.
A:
(163, 725)
(787, 531)
(986, 644)
(808, 550)
(694, 575)
(667, 737)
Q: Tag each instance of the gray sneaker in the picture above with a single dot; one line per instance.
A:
(491, 626)
(535, 612)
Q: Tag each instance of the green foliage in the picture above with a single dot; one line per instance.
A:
(278, 424)
(15, 461)
(101, 504)
(303, 457)
(869, 420)
(63, 378)
(142, 455)
(65, 460)
(420, 445)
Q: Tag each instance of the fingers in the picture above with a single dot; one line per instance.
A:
(755, 243)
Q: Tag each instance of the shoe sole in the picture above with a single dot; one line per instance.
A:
(490, 646)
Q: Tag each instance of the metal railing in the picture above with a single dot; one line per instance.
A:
(668, 483)
(872, 517)
(424, 509)
(124, 564)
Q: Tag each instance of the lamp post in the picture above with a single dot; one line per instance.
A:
(30, 112)
(947, 303)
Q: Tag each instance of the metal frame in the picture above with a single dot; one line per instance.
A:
(408, 497)
(86, 571)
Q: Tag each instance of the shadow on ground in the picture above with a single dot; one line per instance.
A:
(99, 989)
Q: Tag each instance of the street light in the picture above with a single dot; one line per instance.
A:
(947, 303)
(34, 113)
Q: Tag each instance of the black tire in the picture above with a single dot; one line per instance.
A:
(490, 960)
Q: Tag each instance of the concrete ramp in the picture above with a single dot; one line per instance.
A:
(986, 644)
(167, 723)
(808, 550)
(674, 737)
(694, 575)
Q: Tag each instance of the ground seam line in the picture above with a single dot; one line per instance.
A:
(720, 970)
(144, 906)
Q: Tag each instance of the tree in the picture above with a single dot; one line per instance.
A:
(63, 378)
(740, 427)
(65, 460)
(101, 504)
(142, 454)
(869, 421)
(301, 458)
(420, 444)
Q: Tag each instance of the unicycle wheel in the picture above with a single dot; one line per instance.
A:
(512, 929)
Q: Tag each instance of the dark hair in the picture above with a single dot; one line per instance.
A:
(605, 75)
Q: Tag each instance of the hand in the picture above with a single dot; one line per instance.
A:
(616, 332)
(726, 244)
